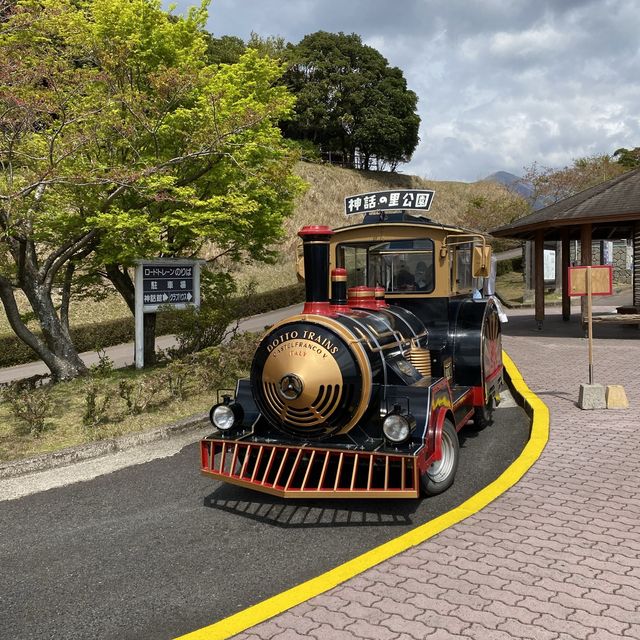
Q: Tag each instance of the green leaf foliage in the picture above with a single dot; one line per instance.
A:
(121, 138)
(113, 111)
(351, 102)
(629, 158)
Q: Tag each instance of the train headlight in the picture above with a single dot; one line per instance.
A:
(397, 427)
(225, 416)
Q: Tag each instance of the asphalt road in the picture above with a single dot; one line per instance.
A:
(156, 550)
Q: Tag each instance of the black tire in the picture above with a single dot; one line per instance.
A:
(441, 474)
(483, 416)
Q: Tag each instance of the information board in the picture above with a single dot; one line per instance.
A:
(601, 280)
(163, 283)
(166, 284)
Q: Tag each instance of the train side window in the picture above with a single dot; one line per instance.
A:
(461, 273)
(354, 260)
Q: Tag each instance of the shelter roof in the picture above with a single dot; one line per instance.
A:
(611, 205)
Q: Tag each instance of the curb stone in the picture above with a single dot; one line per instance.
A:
(100, 448)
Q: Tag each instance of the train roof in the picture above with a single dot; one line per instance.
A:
(403, 218)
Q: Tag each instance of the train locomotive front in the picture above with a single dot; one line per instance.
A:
(350, 398)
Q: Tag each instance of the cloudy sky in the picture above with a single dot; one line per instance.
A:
(501, 83)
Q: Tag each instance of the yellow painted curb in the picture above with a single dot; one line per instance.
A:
(301, 593)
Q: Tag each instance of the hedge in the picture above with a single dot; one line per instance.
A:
(99, 335)
(509, 265)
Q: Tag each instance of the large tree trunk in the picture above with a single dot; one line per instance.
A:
(55, 348)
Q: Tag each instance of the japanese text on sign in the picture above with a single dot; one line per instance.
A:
(386, 200)
(167, 284)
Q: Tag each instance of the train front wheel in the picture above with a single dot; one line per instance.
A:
(441, 474)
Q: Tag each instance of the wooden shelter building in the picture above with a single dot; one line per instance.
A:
(608, 211)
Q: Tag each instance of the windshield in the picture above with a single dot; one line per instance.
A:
(398, 265)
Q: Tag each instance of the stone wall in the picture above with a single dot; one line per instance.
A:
(622, 258)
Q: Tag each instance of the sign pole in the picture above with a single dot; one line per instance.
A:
(590, 323)
(196, 285)
(139, 316)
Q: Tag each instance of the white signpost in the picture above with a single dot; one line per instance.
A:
(163, 283)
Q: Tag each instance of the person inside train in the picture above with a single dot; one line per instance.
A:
(424, 277)
(405, 280)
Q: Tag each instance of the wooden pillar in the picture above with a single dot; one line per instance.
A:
(564, 265)
(586, 259)
(636, 265)
(538, 275)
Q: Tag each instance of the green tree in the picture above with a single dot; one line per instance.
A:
(225, 49)
(229, 49)
(350, 102)
(629, 158)
(272, 46)
(119, 141)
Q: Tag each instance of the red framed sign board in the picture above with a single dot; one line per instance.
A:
(601, 280)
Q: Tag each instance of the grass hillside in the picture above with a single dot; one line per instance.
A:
(455, 203)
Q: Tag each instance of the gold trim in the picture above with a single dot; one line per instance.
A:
(356, 348)
(420, 358)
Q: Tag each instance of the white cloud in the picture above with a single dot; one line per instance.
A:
(545, 41)
(500, 83)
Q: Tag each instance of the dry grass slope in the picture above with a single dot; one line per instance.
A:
(323, 203)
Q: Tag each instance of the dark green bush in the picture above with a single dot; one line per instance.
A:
(256, 303)
(90, 337)
(509, 265)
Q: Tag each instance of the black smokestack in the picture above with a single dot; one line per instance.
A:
(315, 240)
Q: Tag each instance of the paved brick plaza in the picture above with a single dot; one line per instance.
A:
(557, 556)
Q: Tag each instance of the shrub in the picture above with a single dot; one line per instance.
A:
(176, 375)
(104, 366)
(251, 305)
(214, 365)
(31, 406)
(139, 394)
(197, 329)
(96, 402)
